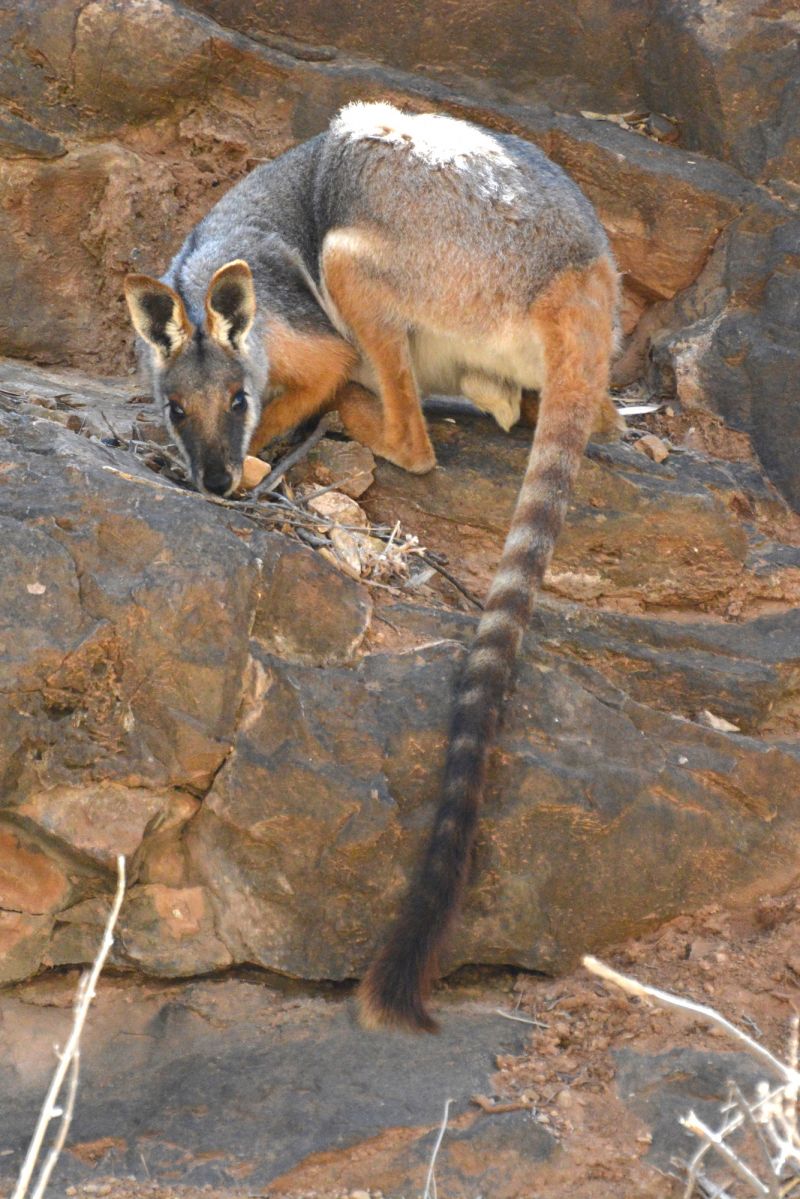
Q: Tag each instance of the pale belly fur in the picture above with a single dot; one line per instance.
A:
(490, 371)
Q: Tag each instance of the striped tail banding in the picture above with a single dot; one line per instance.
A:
(396, 986)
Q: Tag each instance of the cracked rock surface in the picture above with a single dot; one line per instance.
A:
(262, 736)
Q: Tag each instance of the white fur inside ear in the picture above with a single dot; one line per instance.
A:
(231, 304)
(157, 314)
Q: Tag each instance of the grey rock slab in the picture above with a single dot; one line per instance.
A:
(661, 1088)
(230, 1083)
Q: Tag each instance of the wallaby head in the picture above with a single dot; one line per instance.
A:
(208, 373)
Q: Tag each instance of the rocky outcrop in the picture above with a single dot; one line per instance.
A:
(231, 1085)
(115, 141)
(262, 735)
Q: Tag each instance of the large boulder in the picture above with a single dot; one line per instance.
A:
(262, 736)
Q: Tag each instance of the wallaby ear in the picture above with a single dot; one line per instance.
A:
(231, 303)
(158, 314)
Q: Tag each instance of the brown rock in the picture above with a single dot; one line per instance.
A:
(653, 447)
(30, 881)
(23, 941)
(347, 464)
(170, 930)
(107, 820)
(309, 612)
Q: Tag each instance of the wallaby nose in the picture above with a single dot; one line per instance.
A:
(217, 479)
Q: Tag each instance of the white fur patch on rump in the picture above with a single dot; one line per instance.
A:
(436, 138)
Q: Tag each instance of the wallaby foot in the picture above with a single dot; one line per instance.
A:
(363, 418)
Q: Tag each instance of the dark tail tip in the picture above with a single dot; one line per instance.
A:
(391, 997)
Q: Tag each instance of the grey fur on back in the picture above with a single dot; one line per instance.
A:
(494, 200)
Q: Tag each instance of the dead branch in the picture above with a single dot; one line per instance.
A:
(297, 455)
(67, 1060)
(430, 1181)
(631, 987)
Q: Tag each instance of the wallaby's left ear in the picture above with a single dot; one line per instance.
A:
(158, 314)
(231, 304)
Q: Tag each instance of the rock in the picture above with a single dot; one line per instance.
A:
(731, 343)
(197, 1085)
(346, 463)
(107, 820)
(21, 139)
(224, 706)
(30, 880)
(254, 470)
(338, 507)
(170, 931)
(307, 611)
(653, 447)
(23, 943)
(352, 800)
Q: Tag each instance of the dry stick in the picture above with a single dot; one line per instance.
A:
(752, 1124)
(692, 1124)
(275, 475)
(734, 1123)
(473, 599)
(522, 1019)
(63, 1128)
(430, 1181)
(641, 991)
(49, 1110)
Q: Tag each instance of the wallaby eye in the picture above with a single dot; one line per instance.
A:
(176, 412)
(238, 401)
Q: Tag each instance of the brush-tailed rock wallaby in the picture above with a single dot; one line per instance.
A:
(393, 256)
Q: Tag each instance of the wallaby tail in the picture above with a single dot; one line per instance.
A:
(574, 318)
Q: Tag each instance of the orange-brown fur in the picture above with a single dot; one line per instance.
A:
(368, 308)
(574, 318)
(310, 369)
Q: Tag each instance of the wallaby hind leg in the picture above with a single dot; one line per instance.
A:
(572, 320)
(352, 273)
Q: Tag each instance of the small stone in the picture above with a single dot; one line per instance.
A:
(338, 507)
(253, 471)
(351, 466)
(719, 723)
(653, 447)
(348, 550)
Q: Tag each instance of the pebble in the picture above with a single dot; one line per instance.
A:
(653, 447)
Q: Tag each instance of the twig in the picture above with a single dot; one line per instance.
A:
(752, 1124)
(430, 1181)
(631, 987)
(498, 1108)
(297, 455)
(692, 1124)
(732, 1125)
(473, 599)
(85, 996)
(119, 440)
(63, 1128)
(522, 1019)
